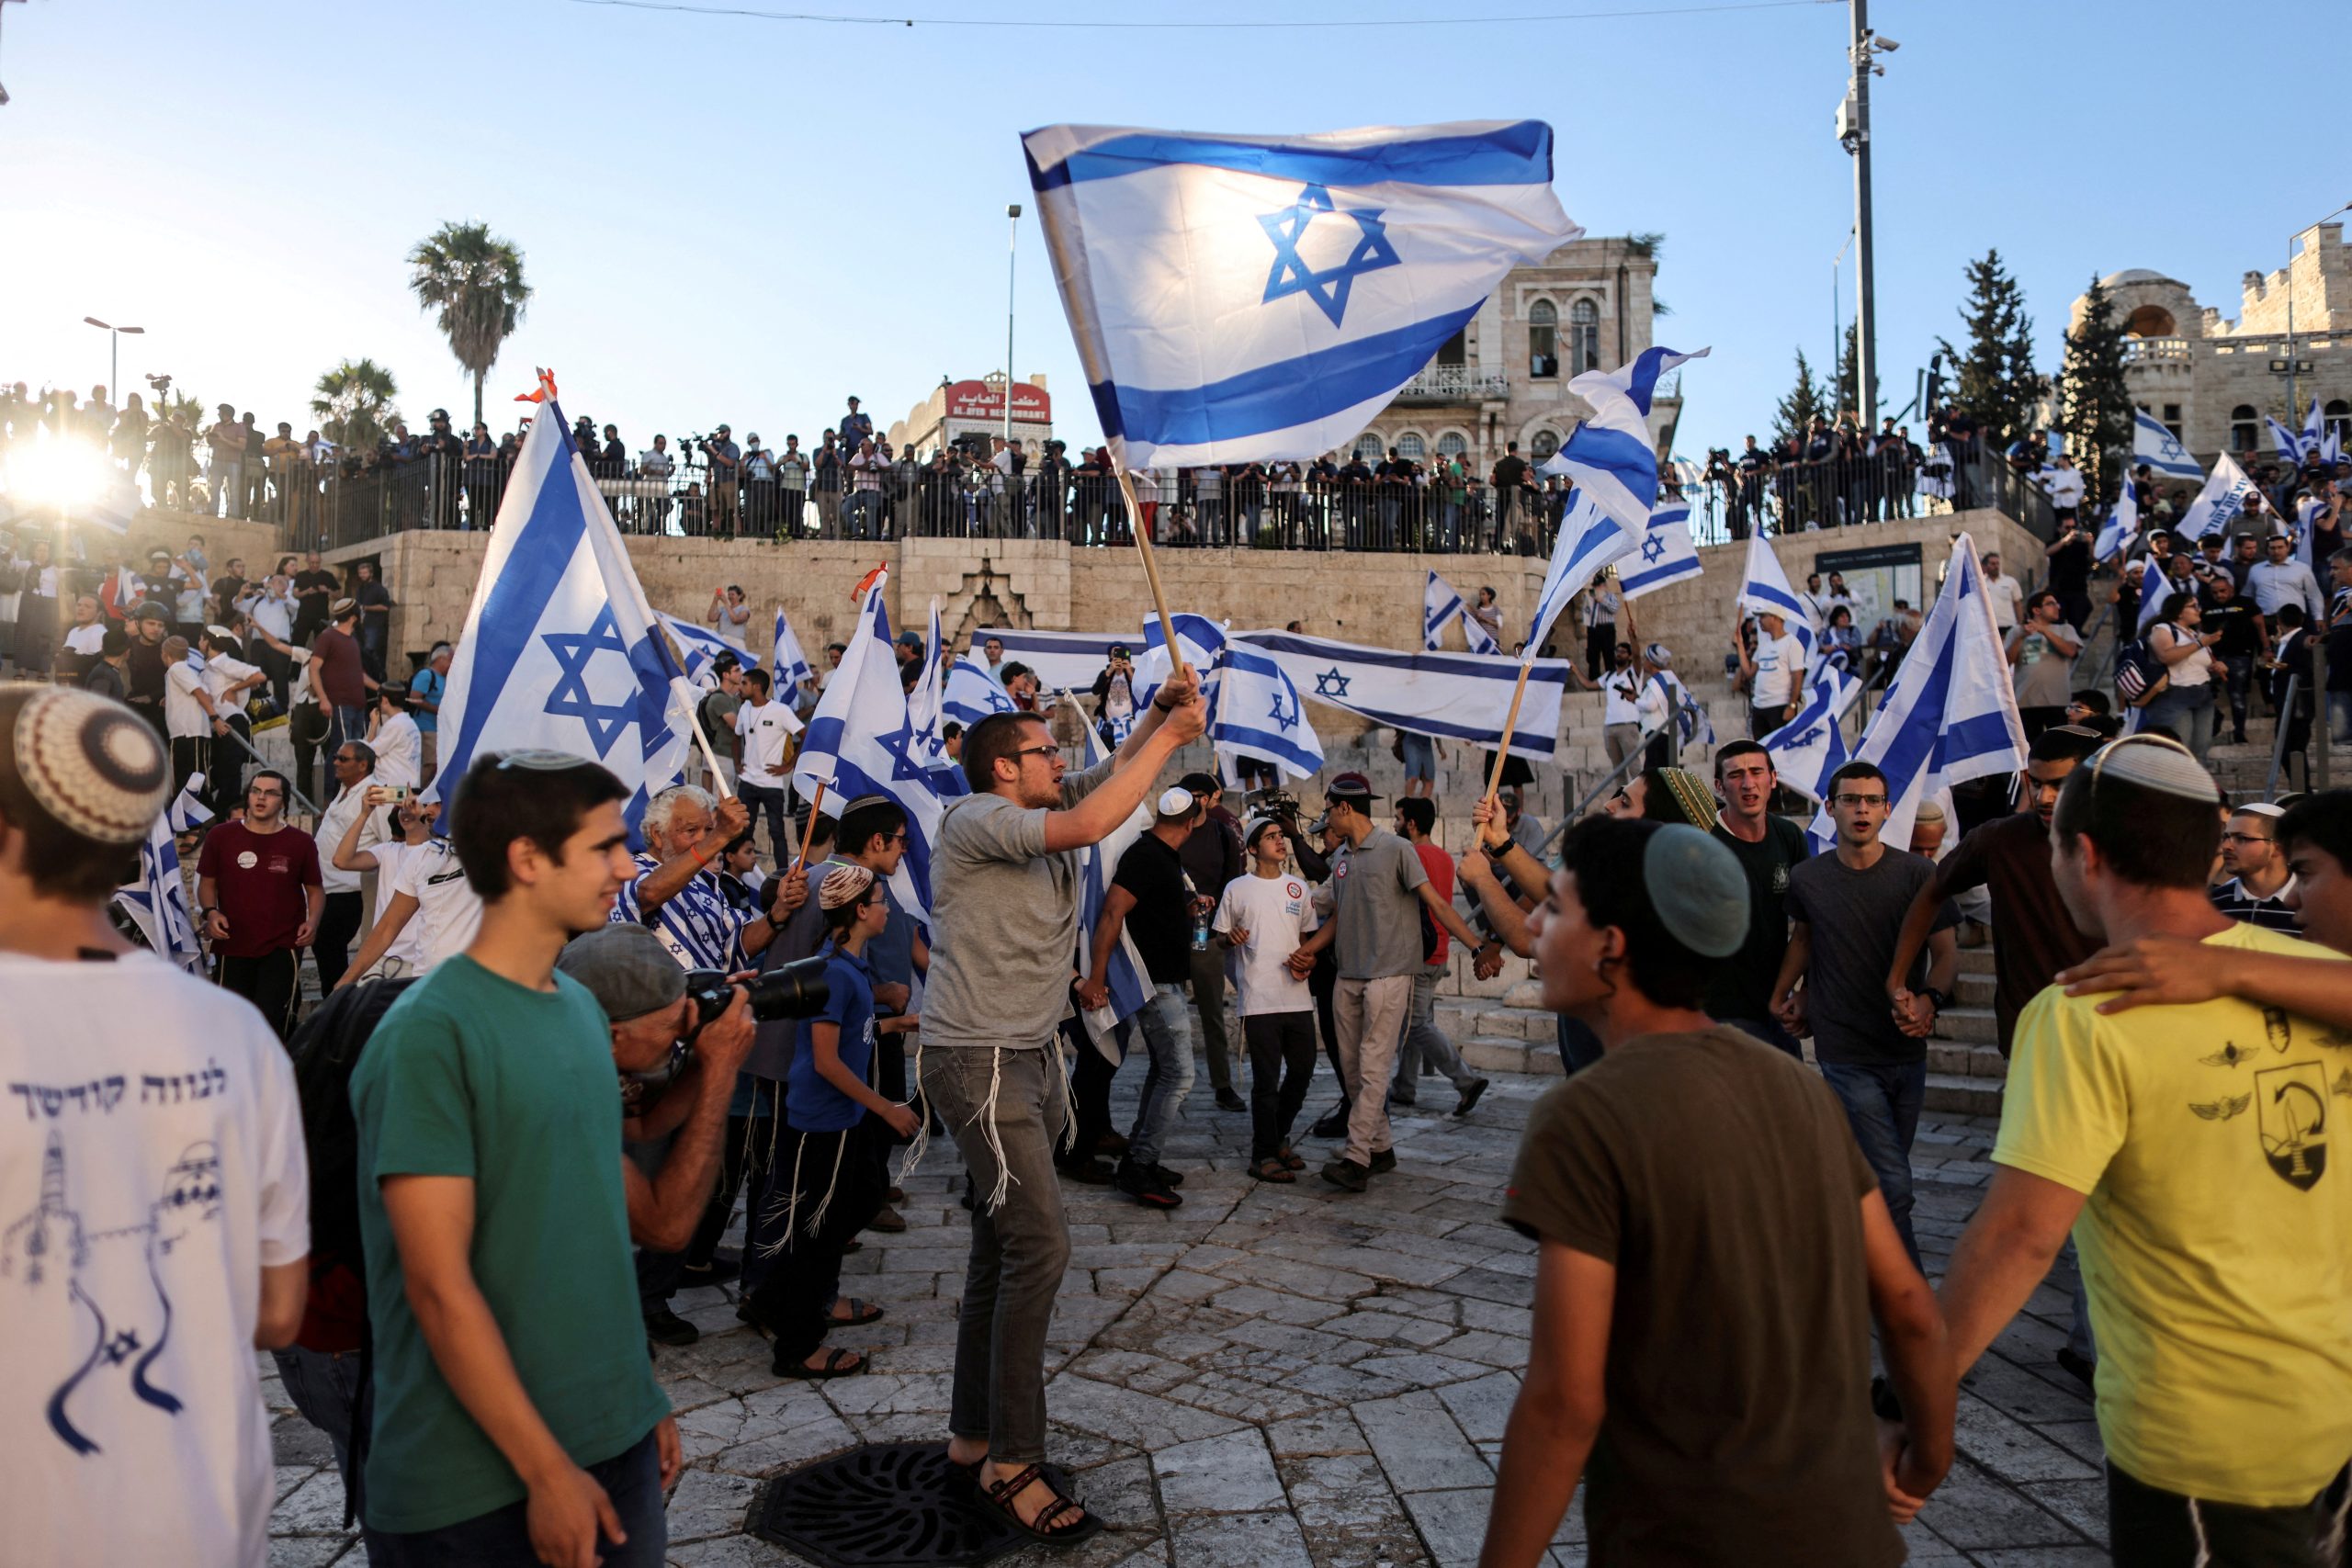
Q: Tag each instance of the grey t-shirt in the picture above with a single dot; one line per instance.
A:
(1379, 912)
(1853, 919)
(1003, 923)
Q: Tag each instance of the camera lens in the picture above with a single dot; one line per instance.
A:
(792, 990)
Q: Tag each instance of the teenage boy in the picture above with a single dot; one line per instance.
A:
(259, 897)
(1425, 1044)
(1739, 990)
(1701, 1327)
(1264, 915)
(517, 1417)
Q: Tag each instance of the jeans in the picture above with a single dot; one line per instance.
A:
(1420, 756)
(862, 514)
(1425, 1043)
(760, 800)
(2079, 1338)
(1168, 1035)
(1208, 994)
(1882, 1101)
(1371, 1015)
(266, 981)
(350, 724)
(631, 1479)
(326, 1389)
(2238, 669)
(1005, 1109)
(1281, 1058)
(2187, 712)
(1766, 1030)
(2148, 1528)
(227, 488)
(1580, 1046)
(836, 1187)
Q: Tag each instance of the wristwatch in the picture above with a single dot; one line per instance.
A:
(1940, 998)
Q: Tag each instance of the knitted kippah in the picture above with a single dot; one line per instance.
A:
(1693, 796)
(90, 763)
(1696, 886)
(843, 884)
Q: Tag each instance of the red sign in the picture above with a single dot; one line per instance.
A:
(978, 399)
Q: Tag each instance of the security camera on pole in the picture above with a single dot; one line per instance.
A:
(1854, 134)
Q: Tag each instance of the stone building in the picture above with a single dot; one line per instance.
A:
(1504, 378)
(973, 411)
(2213, 381)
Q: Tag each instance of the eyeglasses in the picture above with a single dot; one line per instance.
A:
(1858, 799)
(1036, 751)
(2247, 839)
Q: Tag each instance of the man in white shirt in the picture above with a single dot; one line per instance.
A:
(227, 680)
(2003, 590)
(2063, 482)
(271, 609)
(158, 1223)
(353, 766)
(428, 885)
(1621, 720)
(188, 716)
(412, 821)
(400, 745)
(2280, 579)
(763, 780)
(730, 615)
(1774, 674)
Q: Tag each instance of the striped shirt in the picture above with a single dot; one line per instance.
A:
(701, 930)
(2232, 899)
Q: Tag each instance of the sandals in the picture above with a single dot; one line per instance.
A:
(1289, 1157)
(860, 1314)
(1273, 1169)
(839, 1363)
(1000, 1497)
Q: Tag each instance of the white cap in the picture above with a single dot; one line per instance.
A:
(1176, 801)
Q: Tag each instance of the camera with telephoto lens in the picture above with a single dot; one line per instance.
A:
(789, 990)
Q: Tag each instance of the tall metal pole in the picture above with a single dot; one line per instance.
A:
(1013, 254)
(1865, 298)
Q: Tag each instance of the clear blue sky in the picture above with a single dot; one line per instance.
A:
(741, 220)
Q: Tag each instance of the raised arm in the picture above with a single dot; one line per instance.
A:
(397, 913)
(2176, 970)
(1138, 762)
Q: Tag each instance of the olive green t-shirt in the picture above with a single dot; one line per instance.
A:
(1720, 1179)
(472, 1075)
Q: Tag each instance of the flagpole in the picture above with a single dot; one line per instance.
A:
(1510, 722)
(724, 790)
(800, 850)
(1142, 532)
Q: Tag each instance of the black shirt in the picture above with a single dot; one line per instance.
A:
(2235, 621)
(1161, 922)
(2070, 569)
(1741, 987)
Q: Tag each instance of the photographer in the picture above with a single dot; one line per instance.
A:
(1115, 698)
(678, 1067)
(726, 461)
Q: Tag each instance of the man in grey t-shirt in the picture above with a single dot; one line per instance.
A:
(1375, 935)
(1005, 936)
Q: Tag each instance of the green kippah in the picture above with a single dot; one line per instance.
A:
(1697, 888)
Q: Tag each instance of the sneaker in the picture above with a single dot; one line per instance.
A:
(1141, 1184)
(1167, 1175)
(1334, 1124)
(1347, 1174)
(1092, 1172)
(1383, 1163)
(1229, 1101)
(1470, 1097)
(887, 1219)
(666, 1327)
(722, 1268)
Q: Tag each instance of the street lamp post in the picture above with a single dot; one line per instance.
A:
(1854, 132)
(114, 355)
(1012, 254)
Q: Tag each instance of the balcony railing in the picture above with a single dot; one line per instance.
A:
(1454, 383)
(2153, 350)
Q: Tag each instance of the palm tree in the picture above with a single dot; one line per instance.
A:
(354, 404)
(475, 280)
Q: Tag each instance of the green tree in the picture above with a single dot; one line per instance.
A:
(1807, 400)
(475, 280)
(2094, 402)
(1848, 381)
(353, 403)
(1994, 378)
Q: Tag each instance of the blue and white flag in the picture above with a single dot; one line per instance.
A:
(972, 694)
(2314, 434)
(157, 901)
(2155, 588)
(1767, 588)
(788, 665)
(2330, 437)
(927, 710)
(1239, 298)
(2159, 448)
(1061, 661)
(1448, 696)
(561, 651)
(1610, 458)
(1667, 553)
(2121, 527)
(702, 647)
(1441, 604)
(1812, 746)
(1951, 714)
(1199, 641)
(861, 740)
(1590, 537)
(1128, 982)
(2218, 505)
(2288, 445)
(1256, 713)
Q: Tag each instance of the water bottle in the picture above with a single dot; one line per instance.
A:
(1200, 931)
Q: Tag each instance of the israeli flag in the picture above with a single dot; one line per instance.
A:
(1128, 982)
(2288, 445)
(1440, 606)
(2122, 525)
(861, 740)
(1590, 537)
(561, 651)
(1239, 298)
(2331, 440)
(2159, 448)
(1767, 588)
(926, 709)
(1448, 696)
(702, 647)
(1257, 714)
(2155, 588)
(972, 694)
(1951, 714)
(1610, 457)
(1693, 725)
(1668, 553)
(1812, 746)
(1061, 661)
(788, 667)
(2314, 430)
(1199, 641)
(157, 902)
(2218, 505)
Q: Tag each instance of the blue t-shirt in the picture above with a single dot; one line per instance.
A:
(810, 1104)
(432, 685)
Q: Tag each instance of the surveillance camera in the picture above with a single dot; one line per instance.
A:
(1881, 41)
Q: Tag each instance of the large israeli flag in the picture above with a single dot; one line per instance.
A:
(1668, 552)
(1610, 457)
(1238, 299)
(2159, 448)
(2218, 505)
(1590, 537)
(1128, 983)
(1767, 588)
(1448, 696)
(157, 902)
(2121, 527)
(1441, 604)
(788, 666)
(561, 651)
(861, 740)
(1951, 714)
(1254, 709)
(1812, 746)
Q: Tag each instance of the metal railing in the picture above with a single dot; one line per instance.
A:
(1452, 383)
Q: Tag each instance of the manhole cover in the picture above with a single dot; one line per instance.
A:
(889, 1506)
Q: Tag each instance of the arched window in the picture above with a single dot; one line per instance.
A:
(1372, 446)
(1453, 443)
(1410, 444)
(2151, 321)
(2245, 428)
(1584, 337)
(2337, 416)
(1543, 340)
(1544, 442)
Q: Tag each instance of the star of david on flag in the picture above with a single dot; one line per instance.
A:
(1668, 553)
(2159, 448)
(1254, 710)
(561, 651)
(1201, 347)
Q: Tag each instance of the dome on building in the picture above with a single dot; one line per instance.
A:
(2138, 275)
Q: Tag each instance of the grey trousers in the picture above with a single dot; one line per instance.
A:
(1208, 996)
(1005, 1109)
(1425, 1042)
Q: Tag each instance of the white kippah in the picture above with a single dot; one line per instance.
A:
(2153, 762)
(2258, 808)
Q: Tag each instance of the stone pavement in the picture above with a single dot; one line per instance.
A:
(1279, 1377)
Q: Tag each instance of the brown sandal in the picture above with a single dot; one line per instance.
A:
(1273, 1169)
(1290, 1157)
(1000, 1495)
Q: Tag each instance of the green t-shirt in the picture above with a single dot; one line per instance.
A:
(471, 1074)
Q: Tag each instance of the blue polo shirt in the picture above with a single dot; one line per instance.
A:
(810, 1104)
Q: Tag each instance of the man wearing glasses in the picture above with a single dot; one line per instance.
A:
(259, 897)
(1845, 911)
(2261, 889)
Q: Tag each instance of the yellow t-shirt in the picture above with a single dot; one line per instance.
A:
(2216, 1241)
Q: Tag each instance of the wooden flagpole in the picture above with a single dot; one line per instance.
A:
(1142, 532)
(694, 716)
(1510, 722)
(800, 850)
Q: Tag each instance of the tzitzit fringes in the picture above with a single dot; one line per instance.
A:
(987, 1115)
(817, 1218)
(921, 1144)
(791, 1203)
(1067, 1137)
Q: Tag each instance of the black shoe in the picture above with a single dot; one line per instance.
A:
(1347, 1174)
(1169, 1176)
(1092, 1172)
(666, 1327)
(887, 1219)
(2238, 739)
(2075, 1365)
(1401, 1102)
(1141, 1184)
(722, 1266)
(1470, 1097)
(1229, 1101)
(1383, 1163)
(1334, 1124)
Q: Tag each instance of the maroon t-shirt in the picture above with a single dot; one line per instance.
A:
(259, 879)
(341, 675)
